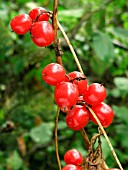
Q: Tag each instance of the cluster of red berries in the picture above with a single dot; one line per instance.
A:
(73, 160)
(36, 22)
(72, 94)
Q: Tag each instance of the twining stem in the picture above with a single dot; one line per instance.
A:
(94, 115)
(56, 39)
(107, 139)
(56, 138)
(70, 46)
(85, 137)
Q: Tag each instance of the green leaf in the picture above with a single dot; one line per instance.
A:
(64, 15)
(105, 147)
(1, 168)
(122, 113)
(97, 66)
(62, 125)
(42, 133)
(18, 64)
(121, 89)
(2, 114)
(121, 83)
(15, 162)
(6, 45)
(103, 47)
(71, 13)
(120, 33)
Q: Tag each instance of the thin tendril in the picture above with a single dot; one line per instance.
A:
(70, 46)
(56, 138)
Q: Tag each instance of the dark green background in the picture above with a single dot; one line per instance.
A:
(101, 43)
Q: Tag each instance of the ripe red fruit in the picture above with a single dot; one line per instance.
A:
(77, 118)
(66, 95)
(95, 94)
(42, 33)
(73, 157)
(80, 80)
(79, 167)
(53, 74)
(21, 24)
(71, 167)
(104, 113)
(39, 14)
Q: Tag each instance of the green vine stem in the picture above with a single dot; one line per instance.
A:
(58, 51)
(70, 46)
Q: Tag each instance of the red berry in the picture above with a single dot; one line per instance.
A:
(53, 74)
(104, 113)
(21, 24)
(80, 80)
(79, 167)
(39, 14)
(77, 118)
(95, 94)
(42, 33)
(71, 167)
(73, 157)
(66, 95)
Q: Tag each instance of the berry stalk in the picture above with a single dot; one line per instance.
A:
(58, 50)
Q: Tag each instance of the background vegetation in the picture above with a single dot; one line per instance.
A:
(98, 31)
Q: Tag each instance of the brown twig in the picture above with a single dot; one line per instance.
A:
(55, 27)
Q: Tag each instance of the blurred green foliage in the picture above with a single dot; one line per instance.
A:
(98, 31)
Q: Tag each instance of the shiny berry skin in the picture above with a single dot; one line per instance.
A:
(104, 113)
(71, 167)
(95, 94)
(80, 80)
(42, 33)
(66, 95)
(53, 74)
(38, 14)
(73, 157)
(79, 167)
(21, 24)
(77, 118)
